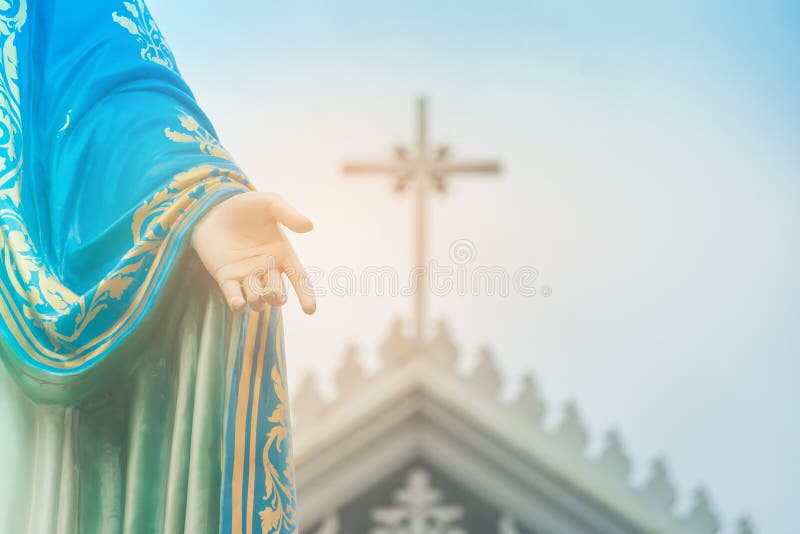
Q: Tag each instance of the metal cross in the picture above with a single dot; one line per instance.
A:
(424, 168)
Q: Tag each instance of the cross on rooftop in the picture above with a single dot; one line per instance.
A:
(423, 168)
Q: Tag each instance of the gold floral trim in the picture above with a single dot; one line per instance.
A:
(11, 21)
(29, 277)
(279, 512)
(141, 25)
(194, 133)
(169, 209)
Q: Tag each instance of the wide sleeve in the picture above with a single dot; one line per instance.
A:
(106, 161)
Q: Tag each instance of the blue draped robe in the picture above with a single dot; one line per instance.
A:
(131, 399)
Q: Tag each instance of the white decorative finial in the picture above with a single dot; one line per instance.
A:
(307, 402)
(745, 526)
(658, 491)
(442, 350)
(701, 518)
(528, 400)
(350, 375)
(614, 460)
(486, 376)
(571, 433)
(397, 348)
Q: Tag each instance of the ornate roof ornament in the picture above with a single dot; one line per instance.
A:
(571, 433)
(397, 348)
(351, 374)
(657, 490)
(486, 376)
(614, 460)
(418, 508)
(442, 350)
(745, 526)
(701, 518)
(528, 400)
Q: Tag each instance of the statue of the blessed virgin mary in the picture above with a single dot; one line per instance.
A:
(143, 382)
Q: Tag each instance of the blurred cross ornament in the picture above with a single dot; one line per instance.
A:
(418, 509)
(422, 167)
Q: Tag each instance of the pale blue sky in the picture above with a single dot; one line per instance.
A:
(653, 178)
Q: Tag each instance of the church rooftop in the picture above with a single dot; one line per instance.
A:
(425, 377)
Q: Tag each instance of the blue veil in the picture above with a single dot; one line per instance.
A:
(107, 161)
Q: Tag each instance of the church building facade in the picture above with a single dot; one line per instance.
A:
(419, 448)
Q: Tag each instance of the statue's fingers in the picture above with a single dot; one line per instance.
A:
(301, 283)
(253, 289)
(232, 291)
(286, 214)
(274, 289)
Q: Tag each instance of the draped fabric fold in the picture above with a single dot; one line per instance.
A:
(131, 400)
(108, 161)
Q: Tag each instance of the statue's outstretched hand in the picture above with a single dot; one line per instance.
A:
(241, 243)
